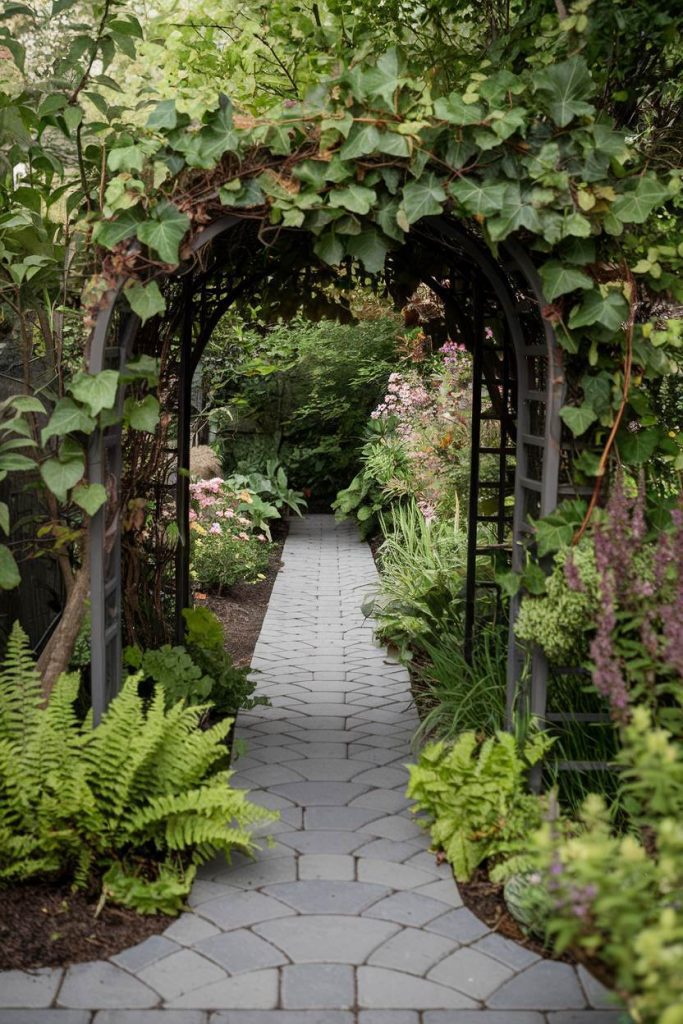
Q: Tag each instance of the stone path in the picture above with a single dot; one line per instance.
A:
(347, 918)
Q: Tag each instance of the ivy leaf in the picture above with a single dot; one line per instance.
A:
(559, 278)
(164, 115)
(110, 232)
(552, 533)
(635, 207)
(24, 403)
(312, 172)
(384, 78)
(370, 248)
(423, 198)
(329, 249)
(355, 198)
(597, 390)
(59, 476)
(390, 220)
(10, 576)
(454, 110)
(636, 448)
(142, 415)
(89, 497)
(66, 417)
(609, 311)
(578, 418)
(515, 213)
(478, 198)
(97, 391)
(143, 368)
(165, 232)
(393, 144)
(362, 140)
(145, 299)
(564, 89)
(126, 158)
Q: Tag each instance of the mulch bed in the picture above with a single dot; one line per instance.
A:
(45, 924)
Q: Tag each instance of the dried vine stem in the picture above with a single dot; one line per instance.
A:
(604, 458)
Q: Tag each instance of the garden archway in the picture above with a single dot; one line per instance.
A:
(519, 368)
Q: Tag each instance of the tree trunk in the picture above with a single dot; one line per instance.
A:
(57, 653)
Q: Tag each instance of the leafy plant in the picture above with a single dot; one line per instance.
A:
(474, 794)
(132, 806)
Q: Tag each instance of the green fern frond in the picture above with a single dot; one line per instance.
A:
(20, 689)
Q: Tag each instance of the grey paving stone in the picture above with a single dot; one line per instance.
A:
(45, 1017)
(29, 988)
(394, 826)
(387, 849)
(242, 908)
(508, 952)
(339, 818)
(382, 989)
(180, 972)
(328, 897)
(240, 951)
(156, 947)
(398, 876)
(325, 841)
(321, 794)
(461, 925)
(318, 986)
(381, 800)
(150, 1017)
(445, 890)
(413, 951)
(327, 938)
(587, 1017)
(389, 1017)
(327, 866)
(190, 928)
(474, 973)
(255, 990)
(598, 996)
(284, 1017)
(483, 1017)
(545, 985)
(261, 872)
(100, 985)
(406, 908)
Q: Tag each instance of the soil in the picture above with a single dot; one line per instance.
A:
(45, 924)
(242, 608)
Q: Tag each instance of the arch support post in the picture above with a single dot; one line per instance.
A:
(182, 560)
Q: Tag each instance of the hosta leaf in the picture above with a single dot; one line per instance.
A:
(66, 418)
(564, 89)
(10, 576)
(478, 197)
(97, 391)
(560, 278)
(423, 198)
(635, 207)
(145, 300)
(165, 232)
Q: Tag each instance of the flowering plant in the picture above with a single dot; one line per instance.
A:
(227, 544)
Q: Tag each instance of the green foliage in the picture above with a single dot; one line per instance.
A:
(205, 640)
(474, 795)
(132, 806)
(616, 893)
(221, 560)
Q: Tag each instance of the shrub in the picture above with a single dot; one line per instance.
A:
(223, 559)
(474, 793)
(132, 806)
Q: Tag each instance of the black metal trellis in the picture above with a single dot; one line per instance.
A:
(519, 373)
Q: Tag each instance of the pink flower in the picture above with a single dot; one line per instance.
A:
(243, 536)
(229, 514)
(215, 528)
(262, 537)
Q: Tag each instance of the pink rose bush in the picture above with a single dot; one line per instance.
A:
(228, 546)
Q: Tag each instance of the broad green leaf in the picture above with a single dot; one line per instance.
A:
(329, 249)
(637, 447)
(370, 248)
(142, 415)
(126, 158)
(25, 403)
(164, 115)
(423, 198)
(355, 198)
(165, 231)
(10, 576)
(384, 78)
(552, 534)
(389, 218)
(4, 517)
(60, 476)
(145, 299)
(478, 198)
(635, 207)
(66, 418)
(564, 89)
(312, 172)
(97, 391)
(515, 213)
(12, 462)
(560, 278)
(143, 368)
(362, 140)
(454, 110)
(89, 497)
(393, 144)
(609, 311)
(110, 232)
(578, 418)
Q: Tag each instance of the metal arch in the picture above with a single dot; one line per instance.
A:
(106, 636)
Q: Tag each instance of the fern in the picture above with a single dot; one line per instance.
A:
(135, 804)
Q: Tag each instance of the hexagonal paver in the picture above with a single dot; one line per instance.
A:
(325, 897)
